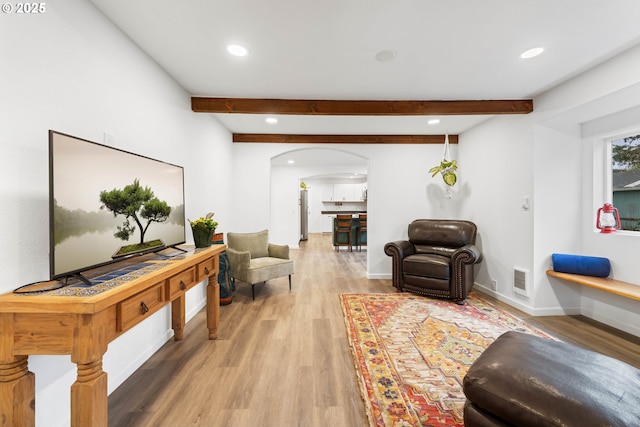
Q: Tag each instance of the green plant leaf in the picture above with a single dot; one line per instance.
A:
(449, 178)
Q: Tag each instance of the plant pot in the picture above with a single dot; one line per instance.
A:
(202, 237)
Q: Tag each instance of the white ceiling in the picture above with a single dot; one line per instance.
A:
(445, 50)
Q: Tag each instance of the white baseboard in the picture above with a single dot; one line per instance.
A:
(520, 305)
(195, 310)
(124, 373)
(379, 276)
(597, 315)
(134, 364)
(630, 328)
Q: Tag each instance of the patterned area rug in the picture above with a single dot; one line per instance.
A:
(412, 352)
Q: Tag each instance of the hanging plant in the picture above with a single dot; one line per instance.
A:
(447, 170)
(447, 167)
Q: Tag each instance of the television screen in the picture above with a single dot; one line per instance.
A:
(107, 204)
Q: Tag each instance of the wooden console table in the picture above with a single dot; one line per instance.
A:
(83, 326)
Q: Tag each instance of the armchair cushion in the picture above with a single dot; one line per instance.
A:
(257, 244)
(266, 268)
(436, 266)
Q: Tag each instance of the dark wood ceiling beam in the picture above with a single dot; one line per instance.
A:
(359, 108)
(341, 139)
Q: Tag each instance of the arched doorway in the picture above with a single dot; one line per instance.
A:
(318, 168)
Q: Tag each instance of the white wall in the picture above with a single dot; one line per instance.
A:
(621, 247)
(497, 159)
(550, 155)
(557, 228)
(602, 104)
(71, 70)
(399, 191)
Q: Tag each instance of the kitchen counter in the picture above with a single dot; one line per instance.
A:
(341, 212)
(355, 238)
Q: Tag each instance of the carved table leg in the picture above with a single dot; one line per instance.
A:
(178, 317)
(89, 403)
(17, 393)
(17, 384)
(213, 303)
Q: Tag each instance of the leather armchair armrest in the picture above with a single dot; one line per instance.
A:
(468, 254)
(462, 261)
(397, 251)
(279, 251)
(239, 261)
(399, 248)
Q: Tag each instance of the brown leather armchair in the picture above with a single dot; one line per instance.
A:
(437, 260)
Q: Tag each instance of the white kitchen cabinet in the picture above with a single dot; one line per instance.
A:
(343, 192)
(327, 192)
(347, 192)
(327, 223)
(354, 192)
(340, 192)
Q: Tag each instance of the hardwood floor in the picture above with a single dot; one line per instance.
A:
(283, 359)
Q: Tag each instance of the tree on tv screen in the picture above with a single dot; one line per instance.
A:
(136, 203)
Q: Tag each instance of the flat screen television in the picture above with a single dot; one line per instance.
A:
(107, 204)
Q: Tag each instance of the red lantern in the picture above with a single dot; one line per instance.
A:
(608, 220)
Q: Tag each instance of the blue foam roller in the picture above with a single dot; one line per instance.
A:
(579, 264)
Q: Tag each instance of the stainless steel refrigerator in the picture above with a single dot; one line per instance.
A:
(304, 215)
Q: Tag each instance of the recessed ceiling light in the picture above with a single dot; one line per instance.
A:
(291, 161)
(531, 53)
(271, 120)
(433, 121)
(237, 50)
(385, 55)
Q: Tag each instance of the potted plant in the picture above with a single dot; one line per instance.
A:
(203, 230)
(447, 168)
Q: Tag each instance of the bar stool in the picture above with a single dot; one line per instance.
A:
(362, 229)
(343, 228)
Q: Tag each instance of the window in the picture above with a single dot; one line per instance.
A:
(625, 180)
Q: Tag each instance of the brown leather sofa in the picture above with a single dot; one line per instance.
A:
(525, 380)
(437, 260)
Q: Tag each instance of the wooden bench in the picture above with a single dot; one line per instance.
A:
(613, 286)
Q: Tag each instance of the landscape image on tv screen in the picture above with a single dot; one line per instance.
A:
(107, 204)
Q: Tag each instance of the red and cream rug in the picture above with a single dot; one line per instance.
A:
(411, 353)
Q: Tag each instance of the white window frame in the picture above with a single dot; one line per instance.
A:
(607, 178)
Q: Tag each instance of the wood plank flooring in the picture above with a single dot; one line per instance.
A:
(283, 359)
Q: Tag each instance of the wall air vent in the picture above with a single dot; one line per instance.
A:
(520, 281)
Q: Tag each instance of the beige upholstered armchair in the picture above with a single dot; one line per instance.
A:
(254, 260)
